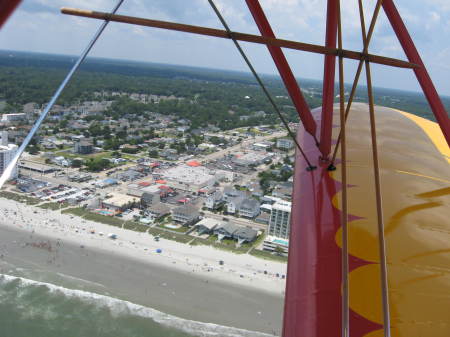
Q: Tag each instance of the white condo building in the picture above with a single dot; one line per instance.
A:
(280, 217)
(279, 226)
(7, 152)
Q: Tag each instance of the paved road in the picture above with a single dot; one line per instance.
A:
(243, 145)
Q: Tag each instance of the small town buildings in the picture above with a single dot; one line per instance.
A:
(61, 161)
(214, 200)
(118, 202)
(37, 167)
(148, 199)
(251, 158)
(262, 146)
(285, 143)
(129, 175)
(283, 191)
(186, 214)
(83, 146)
(230, 192)
(13, 117)
(7, 153)
(105, 182)
(190, 178)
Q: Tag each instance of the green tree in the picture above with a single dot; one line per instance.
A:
(153, 154)
(77, 163)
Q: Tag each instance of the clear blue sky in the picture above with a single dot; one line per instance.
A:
(38, 26)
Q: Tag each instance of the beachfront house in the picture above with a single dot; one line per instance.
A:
(186, 214)
(158, 210)
(245, 234)
(225, 231)
(207, 226)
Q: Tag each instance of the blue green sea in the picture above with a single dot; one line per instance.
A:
(38, 309)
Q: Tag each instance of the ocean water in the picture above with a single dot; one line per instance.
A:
(40, 309)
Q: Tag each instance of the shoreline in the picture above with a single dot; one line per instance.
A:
(185, 281)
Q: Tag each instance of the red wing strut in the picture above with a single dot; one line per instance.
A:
(283, 68)
(7, 7)
(328, 80)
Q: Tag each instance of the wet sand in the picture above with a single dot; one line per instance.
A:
(182, 293)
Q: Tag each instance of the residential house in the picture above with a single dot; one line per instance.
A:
(283, 191)
(263, 218)
(249, 208)
(158, 210)
(245, 234)
(61, 161)
(83, 146)
(225, 230)
(214, 200)
(186, 214)
(148, 199)
(234, 203)
(230, 192)
(207, 226)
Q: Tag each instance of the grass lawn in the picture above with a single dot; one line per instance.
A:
(20, 198)
(53, 206)
(268, 256)
(181, 229)
(229, 245)
(108, 220)
(169, 236)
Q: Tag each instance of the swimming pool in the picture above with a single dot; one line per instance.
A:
(281, 242)
(105, 212)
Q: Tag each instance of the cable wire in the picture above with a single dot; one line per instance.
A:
(357, 75)
(10, 168)
(379, 202)
(261, 84)
(344, 214)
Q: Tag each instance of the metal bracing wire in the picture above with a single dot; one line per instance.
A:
(344, 213)
(9, 169)
(366, 43)
(379, 202)
(261, 84)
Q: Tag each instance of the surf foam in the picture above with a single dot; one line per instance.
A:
(121, 307)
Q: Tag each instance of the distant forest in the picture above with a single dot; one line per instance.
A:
(210, 95)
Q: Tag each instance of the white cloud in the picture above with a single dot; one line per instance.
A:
(38, 26)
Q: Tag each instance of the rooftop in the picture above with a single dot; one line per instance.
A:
(118, 199)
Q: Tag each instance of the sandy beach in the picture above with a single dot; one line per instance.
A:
(185, 281)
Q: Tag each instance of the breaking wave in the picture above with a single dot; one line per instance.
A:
(40, 301)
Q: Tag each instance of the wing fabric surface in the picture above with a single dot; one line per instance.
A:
(415, 178)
